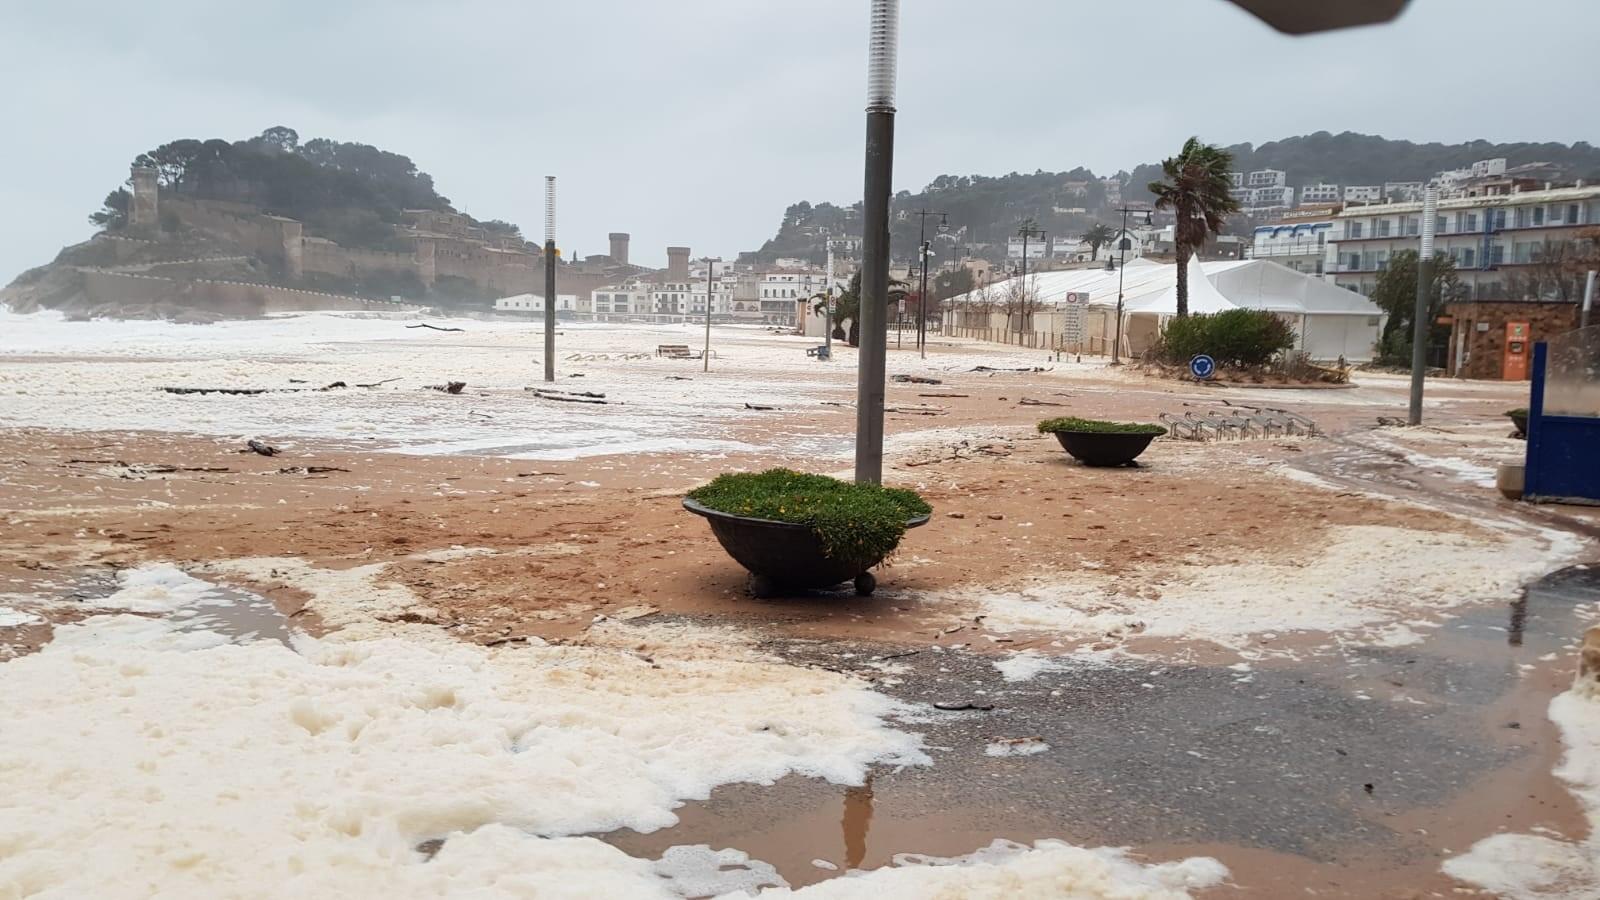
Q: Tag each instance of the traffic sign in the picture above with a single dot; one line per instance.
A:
(1202, 367)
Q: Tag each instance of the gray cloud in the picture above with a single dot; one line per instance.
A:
(697, 123)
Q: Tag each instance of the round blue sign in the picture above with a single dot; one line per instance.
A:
(1202, 366)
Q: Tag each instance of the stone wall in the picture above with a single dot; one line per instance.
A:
(235, 298)
(1485, 349)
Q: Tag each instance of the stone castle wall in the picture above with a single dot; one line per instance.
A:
(229, 297)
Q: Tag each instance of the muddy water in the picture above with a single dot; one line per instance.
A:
(1355, 774)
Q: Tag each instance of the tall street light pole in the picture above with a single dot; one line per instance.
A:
(711, 275)
(882, 45)
(1022, 318)
(1420, 324)
(922, 298)
(827, 303)
(549, 278)
(1122, 263)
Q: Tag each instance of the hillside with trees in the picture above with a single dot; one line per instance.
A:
(350, 193)
(986, 209)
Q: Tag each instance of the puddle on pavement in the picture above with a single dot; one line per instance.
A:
(1368, 767)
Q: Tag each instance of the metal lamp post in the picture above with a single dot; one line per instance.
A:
(1420, 326)
(1122, 254)
(922, 298)
(1025, 231)
(882, 44)
(711, 280)
(549, 278)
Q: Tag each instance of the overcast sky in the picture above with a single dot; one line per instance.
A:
(697, 122)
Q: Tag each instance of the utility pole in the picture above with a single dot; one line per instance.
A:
(882, 45)
(1026, 230)
(922, 298)
(1420, 324)
(549, 278)
(1122, 256)
(827, 304)
(705, 354)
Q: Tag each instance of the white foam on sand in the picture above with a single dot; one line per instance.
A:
(11, 618)
(1537, 867)
(1009, 871)
(1361, 581)
(145, 758)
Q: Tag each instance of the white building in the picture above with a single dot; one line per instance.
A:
(533, 303)
(1363, 193)
(1037, 248)
(1320, 193)
(1496, 242)
(626, 300)
(1267, 178)
(783, 289)
(1302, 246)
(1402, 191)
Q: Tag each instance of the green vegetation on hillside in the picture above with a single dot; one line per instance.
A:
(984, 209)
(350, 193)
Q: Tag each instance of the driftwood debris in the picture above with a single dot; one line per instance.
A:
(255, 446)
(945, 396)
(757, 406)
(373, 384)
(434, 327)
(537, 474)
(309, 470)
(243, 392)
(1024, 401)
(568, 396)
(452, 387)
(915, 379)
(993, 369)
(922, 410)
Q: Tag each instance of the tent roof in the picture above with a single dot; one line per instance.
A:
(1150, 288)
(1204, 298)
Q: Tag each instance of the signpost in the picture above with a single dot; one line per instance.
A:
(1075, 308)
(1202, 367)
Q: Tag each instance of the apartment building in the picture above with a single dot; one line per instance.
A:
(1363, 193)
(1320, 193)
(1302, 246)
(1500, 243)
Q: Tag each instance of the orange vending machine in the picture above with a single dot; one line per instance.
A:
(1517, 352)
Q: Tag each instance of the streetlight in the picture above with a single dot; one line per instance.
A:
(549, 278)
(1420, 326)
(922, 299)
(882, 44)
(711, 280)
(1122, 253)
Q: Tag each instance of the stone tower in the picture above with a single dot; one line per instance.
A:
(678, 263)
(144, 212)
(619, 246)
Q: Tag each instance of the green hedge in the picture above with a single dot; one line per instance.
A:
(1238, 337)
(861, 522)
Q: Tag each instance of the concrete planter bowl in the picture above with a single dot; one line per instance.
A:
(1093, 448)
(784, 555)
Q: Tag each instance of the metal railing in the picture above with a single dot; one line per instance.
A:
(1033, 340)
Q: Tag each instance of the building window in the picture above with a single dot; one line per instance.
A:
(1352, 230)
(1538, 216)
(1383, 228)
(1572, 214)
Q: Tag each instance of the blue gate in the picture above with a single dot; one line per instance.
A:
(1563, 461)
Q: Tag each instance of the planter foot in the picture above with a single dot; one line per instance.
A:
(762, 587)
(865, 584)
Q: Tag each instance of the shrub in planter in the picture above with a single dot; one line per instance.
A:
(806, 530)
(1237, 337)
(1097, 443)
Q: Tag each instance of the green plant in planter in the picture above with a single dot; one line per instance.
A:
(1519, 412)
(853, 521)
(1096, 426)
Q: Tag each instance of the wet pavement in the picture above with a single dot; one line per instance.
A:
(1344, 759)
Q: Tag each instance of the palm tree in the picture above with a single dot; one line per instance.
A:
(847, 307)
(1198, 190)
(1097, 237)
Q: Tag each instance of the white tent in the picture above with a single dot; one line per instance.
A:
(1329, 321)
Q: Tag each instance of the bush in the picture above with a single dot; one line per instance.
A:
(1096, 426)
(1238, 337)
(860, 522)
